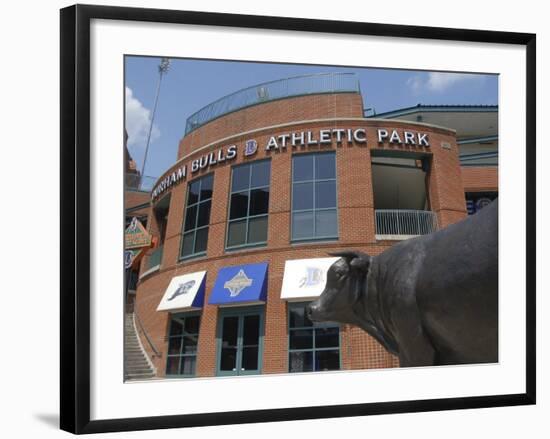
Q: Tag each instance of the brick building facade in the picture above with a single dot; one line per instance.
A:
(392, 179)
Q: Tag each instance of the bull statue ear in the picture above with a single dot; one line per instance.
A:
(358, 261)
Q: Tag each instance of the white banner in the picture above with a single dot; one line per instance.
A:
(305, 278)
(184, 292)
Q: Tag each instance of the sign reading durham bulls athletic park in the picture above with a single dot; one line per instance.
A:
(294, 139)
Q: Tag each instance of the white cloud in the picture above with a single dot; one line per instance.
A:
(415, 83)
(439, 82)
(138, 119)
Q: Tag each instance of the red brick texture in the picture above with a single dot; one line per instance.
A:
(136, 198)
(273, 113)
(480, 179)
(355, 217)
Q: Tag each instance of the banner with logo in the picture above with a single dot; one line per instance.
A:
(184, 292)
(136, 236)
(240, 284)
(305, 278)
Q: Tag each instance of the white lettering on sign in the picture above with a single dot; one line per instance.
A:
(382, 135)
(423, 140)
(407, 138)
(302, 139)
(219, 156)
(360, 135)
(171, 179)
(311, 138)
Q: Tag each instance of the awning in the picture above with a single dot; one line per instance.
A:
(305, 278)
(184, 292)
(240, 284)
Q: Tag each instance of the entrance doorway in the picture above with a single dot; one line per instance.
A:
(240, 339)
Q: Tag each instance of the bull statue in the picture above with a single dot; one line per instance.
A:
(431, 300)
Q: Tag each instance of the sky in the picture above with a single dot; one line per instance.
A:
(190, 84)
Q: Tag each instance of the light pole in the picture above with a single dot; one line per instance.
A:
(163, 68)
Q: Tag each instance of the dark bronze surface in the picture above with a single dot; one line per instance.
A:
(431, 300)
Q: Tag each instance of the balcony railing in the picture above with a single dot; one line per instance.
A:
(135, 182)
(271, 91)
(401, 223)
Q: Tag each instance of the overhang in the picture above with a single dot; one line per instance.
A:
(305, 279)
(184, 293)
(240, 284)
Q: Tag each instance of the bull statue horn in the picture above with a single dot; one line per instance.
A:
(357, 260)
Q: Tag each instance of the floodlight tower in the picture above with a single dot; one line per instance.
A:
(163, 69)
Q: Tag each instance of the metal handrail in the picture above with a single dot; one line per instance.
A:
(340, 82)
(405, 222)
(151, 344)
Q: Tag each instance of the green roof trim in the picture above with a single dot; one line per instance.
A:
(470, 140)
(421, 108)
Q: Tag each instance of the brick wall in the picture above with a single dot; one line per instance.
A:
(355, 213)
(136, 198)
(480, 179)
(273, 113)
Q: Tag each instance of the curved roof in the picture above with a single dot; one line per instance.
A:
(271, 91)
(469, 121)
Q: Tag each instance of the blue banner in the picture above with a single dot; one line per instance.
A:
(240, 284)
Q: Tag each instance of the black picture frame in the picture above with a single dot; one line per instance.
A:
(75, 217)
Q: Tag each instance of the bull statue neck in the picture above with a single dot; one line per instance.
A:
(368, 312)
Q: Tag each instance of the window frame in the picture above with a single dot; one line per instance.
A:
(240, 312)
(182, 317)
(313, 349)
(195, 229)
(249, 190)
(314, 210)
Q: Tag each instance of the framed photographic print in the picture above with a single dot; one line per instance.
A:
(283, 218)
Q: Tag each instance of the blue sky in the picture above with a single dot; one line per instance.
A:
(191, 84)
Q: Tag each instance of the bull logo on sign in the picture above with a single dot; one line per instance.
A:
(182, 288)
(250, 147)
(133, 225)
(313, 276)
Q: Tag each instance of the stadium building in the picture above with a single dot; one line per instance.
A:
(268, 182)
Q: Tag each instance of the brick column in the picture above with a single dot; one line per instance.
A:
(355, 194)
(445, 181)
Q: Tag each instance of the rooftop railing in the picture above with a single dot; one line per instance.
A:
(271, 91)
(402, 224)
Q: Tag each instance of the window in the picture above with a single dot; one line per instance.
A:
(240, 339)
(182, 345)
(312, 346)
(249, 204)
(197, 217)
(314, 209)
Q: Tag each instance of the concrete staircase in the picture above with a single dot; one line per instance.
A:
(136, 365)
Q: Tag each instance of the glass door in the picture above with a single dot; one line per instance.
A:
(239, 342)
